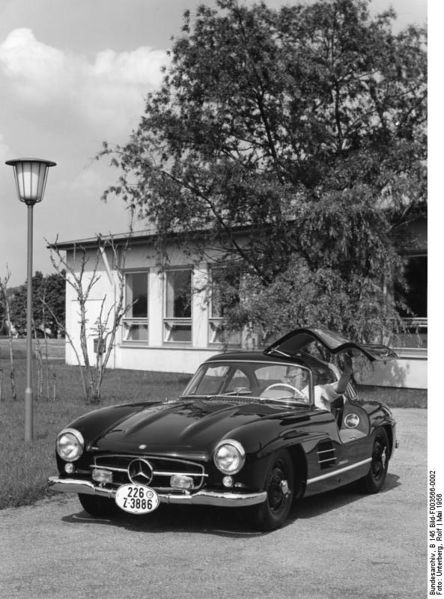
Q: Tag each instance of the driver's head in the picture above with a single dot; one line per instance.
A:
(297, 377)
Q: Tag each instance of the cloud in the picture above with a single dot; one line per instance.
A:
(32, 67)
(139, 67)
(106, 90)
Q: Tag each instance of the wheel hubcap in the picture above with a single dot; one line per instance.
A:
(278, 490)
(284, 488)
(379, 460)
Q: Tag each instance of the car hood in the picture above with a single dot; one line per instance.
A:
(186, 425)
(296, 342)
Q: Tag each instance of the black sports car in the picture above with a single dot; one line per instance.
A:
(252, 430)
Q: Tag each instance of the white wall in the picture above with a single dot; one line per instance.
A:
(139, 356)
(100, 302)
(407, 372)
(162, 359)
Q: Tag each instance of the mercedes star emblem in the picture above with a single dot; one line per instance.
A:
(140, 472)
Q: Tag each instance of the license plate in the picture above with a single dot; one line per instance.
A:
(137, 499)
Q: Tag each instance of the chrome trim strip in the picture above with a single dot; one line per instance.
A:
(146, 456)
(155, 472)
(113, 469)
(143, 456)
(216, 498)
(195, 474)
(334, 472)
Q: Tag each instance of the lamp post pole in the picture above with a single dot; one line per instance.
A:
(30, 176)
(29, 425)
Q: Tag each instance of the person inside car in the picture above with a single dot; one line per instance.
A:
(297, 378)
(325, 393)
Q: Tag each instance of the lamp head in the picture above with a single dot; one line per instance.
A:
(30, 178)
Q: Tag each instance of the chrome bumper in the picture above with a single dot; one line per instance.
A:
(216, 498)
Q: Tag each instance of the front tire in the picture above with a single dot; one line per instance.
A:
(279, 485)
(374, 480)
(99, 507)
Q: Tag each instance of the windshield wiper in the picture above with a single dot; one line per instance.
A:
(287, 400)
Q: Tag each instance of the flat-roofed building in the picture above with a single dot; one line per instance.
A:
(174, 319)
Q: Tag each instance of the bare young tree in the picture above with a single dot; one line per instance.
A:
(44, 376)
(82, 276)
(7, 318)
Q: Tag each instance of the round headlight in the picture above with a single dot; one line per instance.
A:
(70, 444)
(229, 456)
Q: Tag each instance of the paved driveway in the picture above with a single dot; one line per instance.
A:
(336, 546)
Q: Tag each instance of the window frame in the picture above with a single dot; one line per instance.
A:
(129, 321)
(414, 323)
(169, 322)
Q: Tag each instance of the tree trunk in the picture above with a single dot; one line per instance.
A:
(11, 350)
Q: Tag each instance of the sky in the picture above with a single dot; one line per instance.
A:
(72, 75)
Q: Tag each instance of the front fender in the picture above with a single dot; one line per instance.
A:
(261, 440)
(96, 423)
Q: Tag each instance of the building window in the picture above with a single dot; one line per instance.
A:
(223, 295)
(135, 322)
(415, 299)
(177, 320)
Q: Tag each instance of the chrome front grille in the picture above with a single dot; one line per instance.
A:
(163, 469)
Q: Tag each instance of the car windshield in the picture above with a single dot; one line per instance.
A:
(265, 381)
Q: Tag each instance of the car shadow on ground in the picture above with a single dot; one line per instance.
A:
(224, 521)
(315, 505)
(176, 518)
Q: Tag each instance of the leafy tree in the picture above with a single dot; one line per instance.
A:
(2, 315)
(48, 299)
(7, 326)
(293, 141)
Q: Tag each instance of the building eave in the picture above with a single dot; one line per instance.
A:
(140, 238)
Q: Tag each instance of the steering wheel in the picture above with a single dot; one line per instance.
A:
(239, 391)
(296, 392)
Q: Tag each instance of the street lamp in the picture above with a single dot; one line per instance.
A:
(30, 177)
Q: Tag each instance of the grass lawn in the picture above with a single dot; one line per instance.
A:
(25, 468)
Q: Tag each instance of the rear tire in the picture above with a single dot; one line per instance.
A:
(375, 478)
(99, 507)
(279, 485)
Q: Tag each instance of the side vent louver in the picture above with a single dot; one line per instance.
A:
(326, 454)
